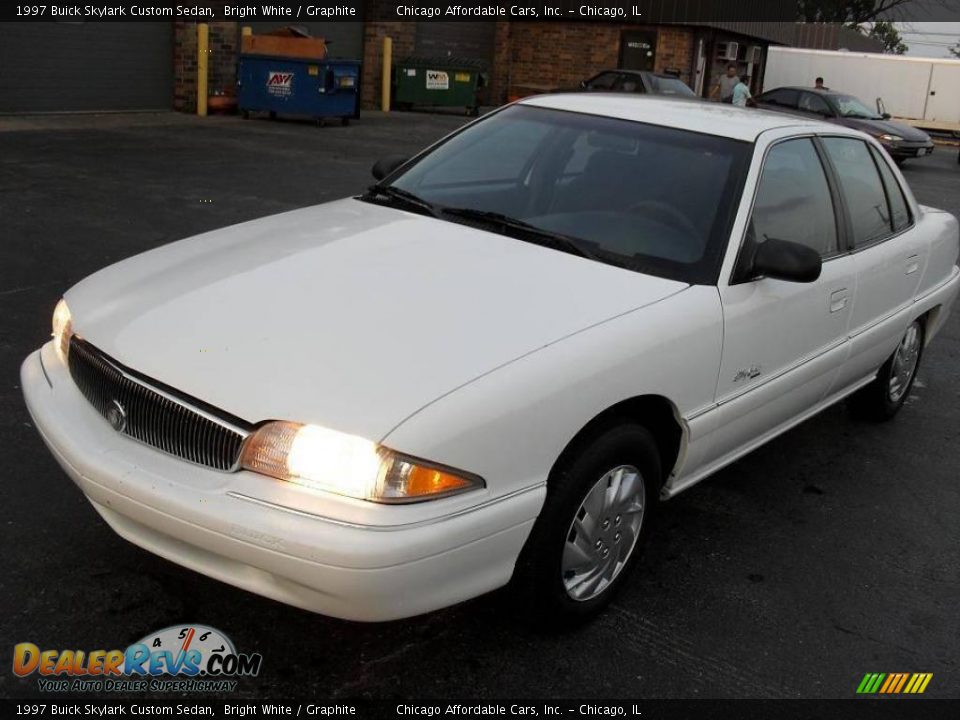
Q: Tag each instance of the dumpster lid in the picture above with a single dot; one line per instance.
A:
(439, 62)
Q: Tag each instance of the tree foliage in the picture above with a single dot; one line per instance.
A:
(852, 13)
(888, 34)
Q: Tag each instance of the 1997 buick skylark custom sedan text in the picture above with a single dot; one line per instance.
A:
(490, 367)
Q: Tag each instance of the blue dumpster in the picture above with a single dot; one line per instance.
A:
(299, 86)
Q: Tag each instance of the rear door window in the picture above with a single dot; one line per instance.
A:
(814, 104)
(783, 97)
(604, 81)
(862, 189)
(899, 208)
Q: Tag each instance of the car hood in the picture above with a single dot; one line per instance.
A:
(349, 315)
(889, 127)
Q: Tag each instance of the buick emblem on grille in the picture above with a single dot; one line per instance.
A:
(117, 416)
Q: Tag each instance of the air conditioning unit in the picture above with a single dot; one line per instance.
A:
(728, 50)
(755, 54)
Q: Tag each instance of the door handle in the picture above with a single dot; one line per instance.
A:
(838, 300)
(913, 264)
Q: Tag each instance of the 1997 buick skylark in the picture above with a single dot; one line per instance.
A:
(491, 366)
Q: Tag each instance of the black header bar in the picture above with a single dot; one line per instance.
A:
(640, 11)
(56, 706)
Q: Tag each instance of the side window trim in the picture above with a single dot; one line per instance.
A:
(888, 191)
(835, 198)
(851, 247)
(841, 212)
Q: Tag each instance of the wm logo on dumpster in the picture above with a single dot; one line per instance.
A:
(894, 683)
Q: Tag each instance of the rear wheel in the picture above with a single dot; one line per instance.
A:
(601, 499)
(882, 398)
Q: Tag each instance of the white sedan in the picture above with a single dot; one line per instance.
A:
(490, 367)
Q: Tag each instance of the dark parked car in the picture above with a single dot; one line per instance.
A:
(634, 81)
(900, 140)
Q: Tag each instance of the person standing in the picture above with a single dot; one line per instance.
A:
(818, 84)
(723, 90)
(741, 94)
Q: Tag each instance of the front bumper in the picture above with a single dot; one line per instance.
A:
(250, 531)
(909, 149)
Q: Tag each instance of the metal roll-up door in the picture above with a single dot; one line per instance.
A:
(474, 40)
(76, 66)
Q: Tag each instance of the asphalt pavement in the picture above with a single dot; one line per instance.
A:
(828, 553)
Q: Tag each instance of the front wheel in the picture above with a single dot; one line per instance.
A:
(601, 499)
(882, 398)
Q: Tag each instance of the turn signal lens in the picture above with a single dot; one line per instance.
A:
(404, 479)
(325, 459)
(62, 329)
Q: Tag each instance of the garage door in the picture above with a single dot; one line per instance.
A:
(344, 39)
(472, 40)
(59, 66)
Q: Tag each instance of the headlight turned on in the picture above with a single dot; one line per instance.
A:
(62, 329)
(324, 459)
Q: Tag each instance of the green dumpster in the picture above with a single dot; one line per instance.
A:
(438, 82)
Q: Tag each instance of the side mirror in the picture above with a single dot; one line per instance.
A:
(882, 109)
(386, 165)
(785, 260)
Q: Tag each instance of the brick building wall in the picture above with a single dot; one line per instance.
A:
(224, 41)
(537, 56)
(527, 58)
(402, 34)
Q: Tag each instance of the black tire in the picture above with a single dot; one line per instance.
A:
(881, 400)
(538, 583)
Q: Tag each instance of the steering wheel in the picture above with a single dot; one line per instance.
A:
(666, 212)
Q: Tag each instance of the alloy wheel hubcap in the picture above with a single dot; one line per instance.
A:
(603, 533)
(904, 364)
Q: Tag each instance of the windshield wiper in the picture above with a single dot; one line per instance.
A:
(505, 222)
(395, 195)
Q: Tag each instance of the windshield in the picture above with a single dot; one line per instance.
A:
(852, 107)
(644, 197)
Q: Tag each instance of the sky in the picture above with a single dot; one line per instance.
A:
(930, 39)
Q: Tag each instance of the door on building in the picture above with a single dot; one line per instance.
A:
(638, 49)
(77, 66)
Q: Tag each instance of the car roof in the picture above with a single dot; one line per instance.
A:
(815, 91)
(628, 71)
(710, 118)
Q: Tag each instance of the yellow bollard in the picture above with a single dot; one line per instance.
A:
(203, 57)
(387, 62)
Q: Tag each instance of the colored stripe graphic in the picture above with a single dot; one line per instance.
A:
(894, 683)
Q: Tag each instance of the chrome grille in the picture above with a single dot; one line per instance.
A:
(153, 414)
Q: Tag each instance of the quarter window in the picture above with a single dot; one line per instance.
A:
(899, 210)
(862, 189)
(793, 199)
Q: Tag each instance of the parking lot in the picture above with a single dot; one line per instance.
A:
(826, 554)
